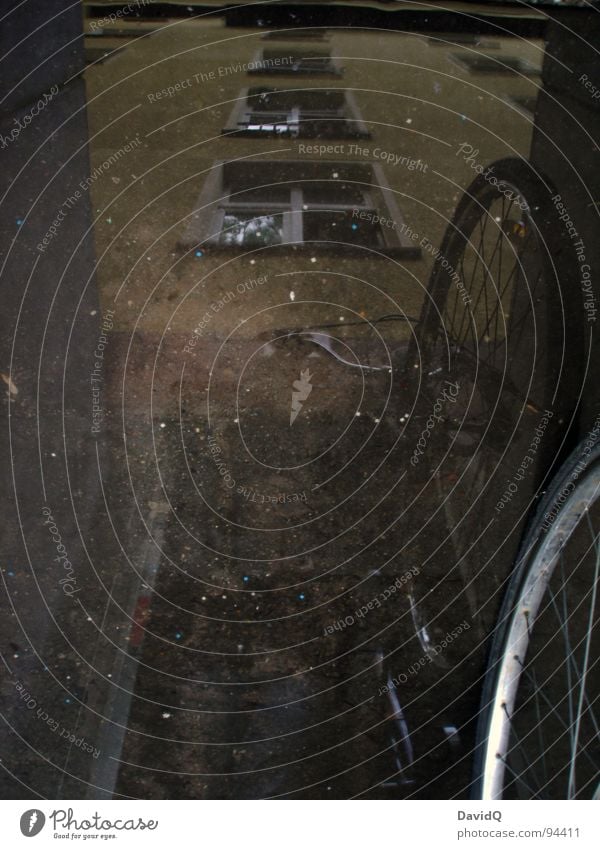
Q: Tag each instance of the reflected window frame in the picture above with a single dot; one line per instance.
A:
(271, 61)
(320, 35)
(299, 121)
(499, 63)
(223, 192)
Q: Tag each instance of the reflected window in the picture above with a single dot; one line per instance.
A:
(468, 39)
(295, 60)
(296, 35)
(248, 228)
(301, 113)
(496, 64)
(252, 204)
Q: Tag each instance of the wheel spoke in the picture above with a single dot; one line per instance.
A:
(570, 654)
(553, 711)
(539, 727)
(532, 794)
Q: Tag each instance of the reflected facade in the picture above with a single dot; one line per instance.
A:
(324, 338)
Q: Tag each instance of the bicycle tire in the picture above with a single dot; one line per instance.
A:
(558, 519)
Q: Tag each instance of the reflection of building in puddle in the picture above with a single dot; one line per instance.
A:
(299, 113)
(294, 34)
(290, 203)
(497, 64)
(298, 61)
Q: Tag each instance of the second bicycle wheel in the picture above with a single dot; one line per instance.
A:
(501, 311)
(502, 321)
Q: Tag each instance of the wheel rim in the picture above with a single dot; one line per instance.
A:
(544, 733)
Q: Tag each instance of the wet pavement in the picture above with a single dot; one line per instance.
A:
(280, 553)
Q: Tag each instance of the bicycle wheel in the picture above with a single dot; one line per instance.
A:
(499, 322)
(539, 730)
(496, 310)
